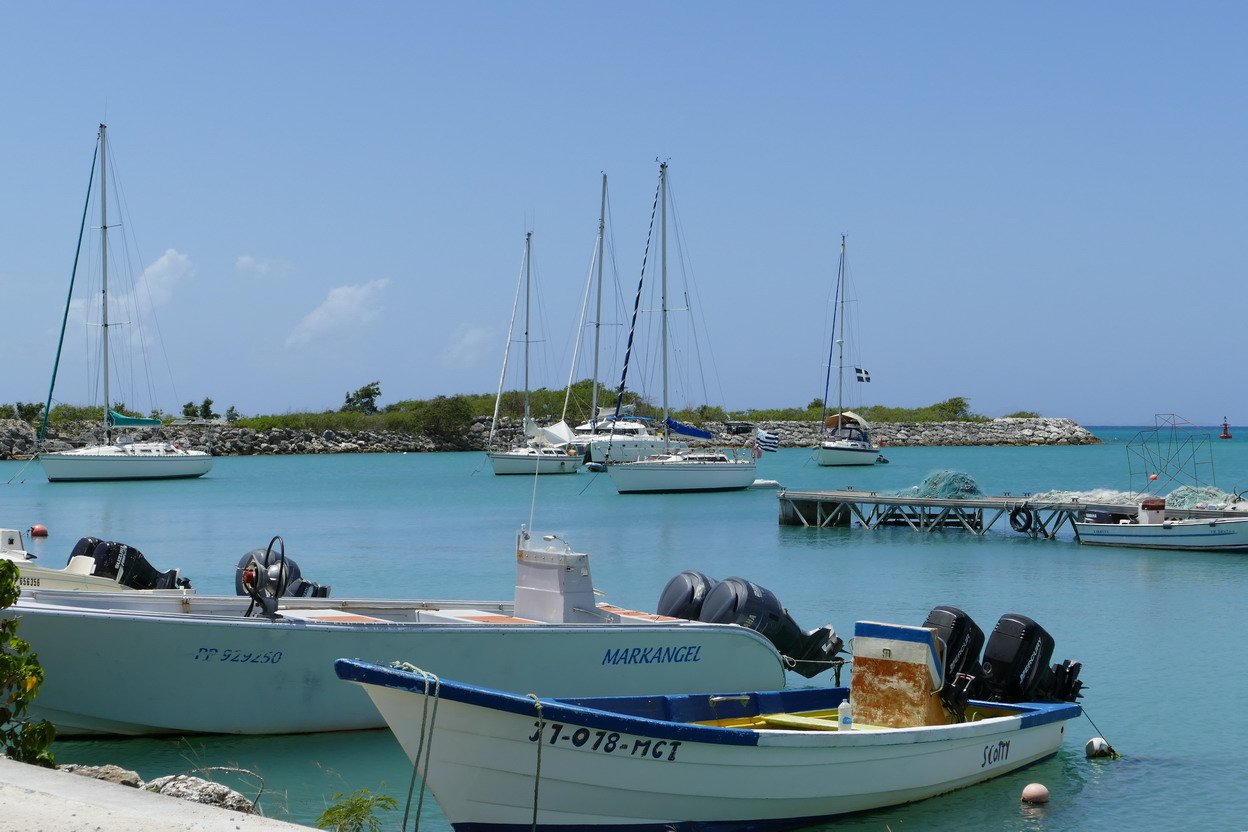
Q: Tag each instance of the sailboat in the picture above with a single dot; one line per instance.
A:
(119, 457)
(847, 441)
(673, 469)
(611, 434)
(547, 450)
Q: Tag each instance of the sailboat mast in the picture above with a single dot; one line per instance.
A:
(840, 341)
(528, 283)
(104, 274)
(602, 250)
(663, 305)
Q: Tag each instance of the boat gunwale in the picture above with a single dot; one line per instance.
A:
(580, 712)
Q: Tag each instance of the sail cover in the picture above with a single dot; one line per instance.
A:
(686, 430)
(117, 420)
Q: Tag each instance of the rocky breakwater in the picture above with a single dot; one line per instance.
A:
(17, 438)
(1006, 432)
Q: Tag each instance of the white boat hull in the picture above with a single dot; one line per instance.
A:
(600, 769)
(1220, 535)
(197, 664)
(133, 461)
(622, 448)
(671, 474)
(509, 462)
(836, 453)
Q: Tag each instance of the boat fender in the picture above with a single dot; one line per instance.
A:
(1021, 519)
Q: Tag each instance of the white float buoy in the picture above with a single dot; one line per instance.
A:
(1035, 793)
(1097, 747)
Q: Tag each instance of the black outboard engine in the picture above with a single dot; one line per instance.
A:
(267, 574)
(738, 601)
(85, 547)
(1016, 665)
(126, 565)
(963, 640)
(684, 595)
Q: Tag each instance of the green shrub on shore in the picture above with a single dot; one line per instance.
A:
(20, 678)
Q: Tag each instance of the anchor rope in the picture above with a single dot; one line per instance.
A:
(537, 774)
(424, 742)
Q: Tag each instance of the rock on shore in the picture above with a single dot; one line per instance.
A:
(17, 438)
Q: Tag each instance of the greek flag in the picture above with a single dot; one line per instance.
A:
(862, 374)
(766, 441)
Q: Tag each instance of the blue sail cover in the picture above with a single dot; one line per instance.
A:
(686, 430)
(116, 420)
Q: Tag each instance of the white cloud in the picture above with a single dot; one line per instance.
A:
(263, 267)
(158, 280)
(345, 308)
(466, 346)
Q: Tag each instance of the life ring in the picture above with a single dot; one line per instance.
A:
(756, 452)
(1021, 519)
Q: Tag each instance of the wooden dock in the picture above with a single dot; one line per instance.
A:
(1029, 515)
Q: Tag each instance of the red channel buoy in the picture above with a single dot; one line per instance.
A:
(1226, 429)
(38, 530)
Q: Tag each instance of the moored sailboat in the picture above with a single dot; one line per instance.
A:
(547, 450)
(119, 458)
(847, 441)
(677, 470)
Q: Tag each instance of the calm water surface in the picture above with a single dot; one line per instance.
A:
(1156, 632)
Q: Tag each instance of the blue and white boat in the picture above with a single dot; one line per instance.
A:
(768, 760)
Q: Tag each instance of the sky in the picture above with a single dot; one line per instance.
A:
(1044, 204)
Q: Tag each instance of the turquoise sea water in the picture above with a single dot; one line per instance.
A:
(1157, 632)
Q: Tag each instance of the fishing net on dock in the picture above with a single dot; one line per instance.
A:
(1204, 496)
(945, 485)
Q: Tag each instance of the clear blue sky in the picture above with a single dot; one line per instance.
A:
(1045, 203)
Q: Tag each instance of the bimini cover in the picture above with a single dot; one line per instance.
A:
(848, 417)
(117, 420)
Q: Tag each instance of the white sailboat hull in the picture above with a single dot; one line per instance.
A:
(198, 664)
(131, 461)
(608, 769)
(674, 473)
(526, 462)
(1221, 535)
(846, 453)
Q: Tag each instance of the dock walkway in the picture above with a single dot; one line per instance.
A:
(1030, 515)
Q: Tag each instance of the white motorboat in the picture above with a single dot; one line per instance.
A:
(201, 663)
(673, 469)
(547, 450)
(622, 439)
(119, 458)
(94, 565)
(1152, 529)
(730, 761)
(847, 440)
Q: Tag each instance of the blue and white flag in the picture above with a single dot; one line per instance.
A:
(766, 441)
(862, 374)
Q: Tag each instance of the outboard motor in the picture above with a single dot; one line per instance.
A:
(1016, 665)
(963, 640)
(126, 565)
(684, 595)
(738, 601)
(85, 547)
(267, 574)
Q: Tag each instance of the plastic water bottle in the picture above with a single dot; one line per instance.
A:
(845, 717)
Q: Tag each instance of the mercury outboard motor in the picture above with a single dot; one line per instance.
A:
(267, 574)
(126, 565)
(738, 601)
(684, 595)
(1016, 665)
(963, 640)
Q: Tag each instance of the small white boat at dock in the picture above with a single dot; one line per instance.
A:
(1151, 528)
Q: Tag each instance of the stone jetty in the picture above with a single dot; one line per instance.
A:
(17, 438)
